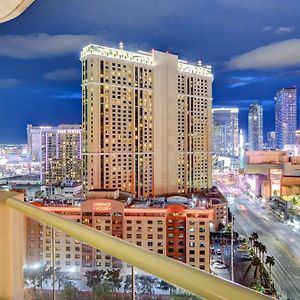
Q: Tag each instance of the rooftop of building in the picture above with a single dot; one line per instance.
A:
(142, 57)
(204, 199)
(201, 199)
(225, 109)
(64, 184)
(27, 177)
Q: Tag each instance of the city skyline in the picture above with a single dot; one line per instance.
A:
(41, 78)
(161, 140)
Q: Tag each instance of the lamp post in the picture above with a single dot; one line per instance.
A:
(53, 263)
(132, 284)
(232, 250)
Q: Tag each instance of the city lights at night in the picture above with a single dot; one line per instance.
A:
(149, 150)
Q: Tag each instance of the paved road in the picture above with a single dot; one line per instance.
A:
(281, 240)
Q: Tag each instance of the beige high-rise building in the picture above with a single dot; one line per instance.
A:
(146, 121)
(58, 149)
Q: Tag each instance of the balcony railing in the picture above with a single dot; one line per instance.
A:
(12, 244)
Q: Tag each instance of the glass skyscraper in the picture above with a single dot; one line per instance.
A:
(225, 131)
(271, 140)
(255, 127)
(285, 116)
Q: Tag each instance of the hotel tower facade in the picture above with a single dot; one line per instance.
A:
(146, 121)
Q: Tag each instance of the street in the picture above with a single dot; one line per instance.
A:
(281, 240)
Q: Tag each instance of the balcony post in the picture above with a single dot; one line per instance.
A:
(12, 249)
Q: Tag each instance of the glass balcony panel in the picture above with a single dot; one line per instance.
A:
(82, 272)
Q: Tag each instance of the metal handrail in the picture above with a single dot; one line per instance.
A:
(196, 281)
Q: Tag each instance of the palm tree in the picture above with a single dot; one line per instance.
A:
(254, 236)
(270, 260)
(256, 245)
(257, 264)
(250, 240)
(262, 250)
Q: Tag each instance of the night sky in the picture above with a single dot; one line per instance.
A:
(253, 47)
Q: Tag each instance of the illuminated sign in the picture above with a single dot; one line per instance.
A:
(275, 180)
(101, 206)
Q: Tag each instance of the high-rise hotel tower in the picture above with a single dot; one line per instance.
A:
(146, 121)
(255, 127)
(285, 116)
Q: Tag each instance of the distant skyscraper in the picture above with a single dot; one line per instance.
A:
(34, 141)
(297, 137)
(271, 140)
(59, 151)
(255, 127)
(146, 121)
(285, 116)
(225, 133)
(242, 148)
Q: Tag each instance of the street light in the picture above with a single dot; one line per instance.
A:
(36, 266)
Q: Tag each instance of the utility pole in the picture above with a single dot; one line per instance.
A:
(132, 284)
(232, 250)
(53, 263)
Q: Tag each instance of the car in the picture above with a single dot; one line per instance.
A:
(242, 248)
(246, 256)
(218, 265)
(219, 251)
(217, 261)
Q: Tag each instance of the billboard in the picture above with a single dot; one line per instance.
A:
(275, 181)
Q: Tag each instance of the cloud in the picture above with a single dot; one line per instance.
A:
(239, 81)
(282, 30)
(9, 82)
(276, 55)
(267, 28)
(42, 45)
(68, 95)
(63, 75)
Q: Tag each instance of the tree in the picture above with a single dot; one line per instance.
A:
(94, 277)
(270, 260)
(127, 284)
(165, 285)
(37, 275)
(61, 277)
(256, 245)
(262, 250)
(254, 236)
(101, 290)
(251, 241)
(294, 201)
(145, 284)
(257, 286)
(113, 277)
(257, 264)
(71, 292)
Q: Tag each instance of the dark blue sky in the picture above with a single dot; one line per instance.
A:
(253, 47)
